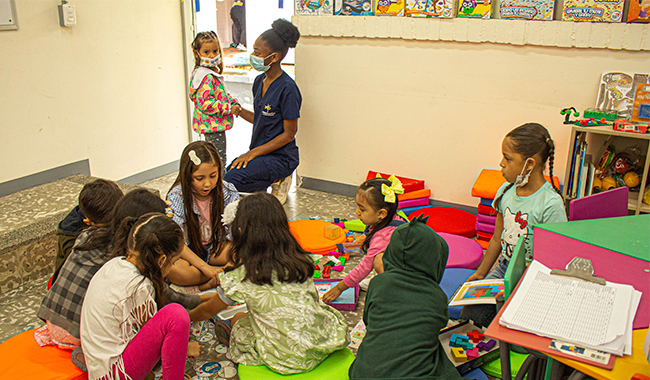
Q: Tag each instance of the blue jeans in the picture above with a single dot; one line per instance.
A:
(482, 315)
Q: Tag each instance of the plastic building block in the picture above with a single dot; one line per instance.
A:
(329, 264)
(347, 257)
(472, 354)
(490, 344)
(317, 267)
(458, 354)
(455, 339)
(331, 231)
(326, 271)
(338, 268)
(482, 346)
(475, 336)
(342, 260)
(316, 274)
(337, 220)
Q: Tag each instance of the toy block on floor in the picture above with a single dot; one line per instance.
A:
(475, 336)
(326, 271)
(332, 231)
(458, 354)
(472, 354)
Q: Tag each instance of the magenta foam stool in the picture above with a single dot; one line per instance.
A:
(449, 220)
(463, 252)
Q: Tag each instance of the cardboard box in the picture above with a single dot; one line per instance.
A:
(527, 9)
(462, 329)
(353, 7)
(630, 126)
(430, 8)
(641, 108)
(313, 7)
(593, 10)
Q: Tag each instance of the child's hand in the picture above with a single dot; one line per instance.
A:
(235, 110)
(331, 295)
(193, 349)
(475, 277)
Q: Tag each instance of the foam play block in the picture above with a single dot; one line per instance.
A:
(484, 227)
(484, 235)
(309, 234)
(450, 220)
(487, 201)
(414, 202)
(493, 368)
(408, 184)
(332, 231)
(334, 367)
(487, 219)
(458, 354)
(451, 279)
(23, 358)
(475, 374)
(424, 193)
(490, 180)
(354, 225)
(409, 210)
(486, 210)
(463, 252)
(484, 244)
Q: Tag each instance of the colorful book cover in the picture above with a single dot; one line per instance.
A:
(477, 292)
(527, 9)
(474, 9)
(353, 7)
(313, 7)
(641, 109)
(389, 8)
(617, 91)
(430, 8)
(639, 11)
(593, 10)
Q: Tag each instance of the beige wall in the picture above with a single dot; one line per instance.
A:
(436, 110)
(110, 89)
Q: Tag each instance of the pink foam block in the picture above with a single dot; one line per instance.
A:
(487, 219)
(337, 268)
(610, 265)
(414, 202)
(463, 252)
(489, 228)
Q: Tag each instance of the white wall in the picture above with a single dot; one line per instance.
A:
(436, 110)
(111, 88)
(260, 14)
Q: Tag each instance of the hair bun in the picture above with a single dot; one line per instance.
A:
(287, 32)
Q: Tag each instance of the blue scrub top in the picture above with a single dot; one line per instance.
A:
(281, 102)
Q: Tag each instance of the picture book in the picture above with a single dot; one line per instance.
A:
(353, 7)
(389, 8)
(593, 10)
(357, 334)
(474, 9)
(430, 8)
(313, 7)
(346, 301)
(477, 292)
(615, 93)
(527, 9)
(639, 11)
(641, 108)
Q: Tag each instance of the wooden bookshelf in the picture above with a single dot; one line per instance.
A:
(597, 137)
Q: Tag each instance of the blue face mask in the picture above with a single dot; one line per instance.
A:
(258, 63)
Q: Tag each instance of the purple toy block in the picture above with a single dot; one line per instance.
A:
(482, 346)
(490, 344)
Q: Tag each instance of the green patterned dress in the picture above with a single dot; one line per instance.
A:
(288, 328)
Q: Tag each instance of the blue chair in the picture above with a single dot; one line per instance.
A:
(475, 374)
(451, 280)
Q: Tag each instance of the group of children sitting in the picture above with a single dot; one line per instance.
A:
(110, 292)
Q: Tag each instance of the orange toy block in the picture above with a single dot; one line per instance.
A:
(332, 231)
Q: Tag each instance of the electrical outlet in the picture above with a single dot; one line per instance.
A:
(67, 15)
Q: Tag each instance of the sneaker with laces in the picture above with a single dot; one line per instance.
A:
(282, 189)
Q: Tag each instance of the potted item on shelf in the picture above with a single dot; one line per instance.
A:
(353, 7)
(430, 8)
(527, 9)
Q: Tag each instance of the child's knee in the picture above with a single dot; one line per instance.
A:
(177, 314)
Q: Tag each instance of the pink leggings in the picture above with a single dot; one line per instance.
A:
(164, 336)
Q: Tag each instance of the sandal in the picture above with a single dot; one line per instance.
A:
(222, 330)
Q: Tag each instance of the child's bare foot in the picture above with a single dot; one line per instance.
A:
(209, 285)
(193, 349)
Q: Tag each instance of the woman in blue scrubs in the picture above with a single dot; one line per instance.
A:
(273, 154)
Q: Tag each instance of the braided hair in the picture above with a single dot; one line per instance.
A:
(528, 140)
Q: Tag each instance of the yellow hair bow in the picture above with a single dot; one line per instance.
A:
(390, 191)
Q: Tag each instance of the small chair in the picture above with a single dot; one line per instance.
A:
(608, 204)
(335, 367)
(452, 278)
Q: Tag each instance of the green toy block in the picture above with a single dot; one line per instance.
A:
(594, 113)
(342, 260)
(316, 274)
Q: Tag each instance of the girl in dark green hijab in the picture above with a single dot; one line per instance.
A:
(406, 309)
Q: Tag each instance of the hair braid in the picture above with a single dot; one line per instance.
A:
(551, 158)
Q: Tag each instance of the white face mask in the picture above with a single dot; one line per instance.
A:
(210, 62)
(522, 179)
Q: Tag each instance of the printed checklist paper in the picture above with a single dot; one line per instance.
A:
(595, 316)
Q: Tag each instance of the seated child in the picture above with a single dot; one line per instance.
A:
(524, 200)
(127, 327)
(96, 201)
(287, 328)
(377, 206)
(61, 307)
(198, 198)
(406, 309)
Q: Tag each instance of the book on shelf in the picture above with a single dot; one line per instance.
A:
(576, 143)
(579, 161)
(590, 178)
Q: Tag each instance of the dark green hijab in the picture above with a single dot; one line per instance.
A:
(406, 309)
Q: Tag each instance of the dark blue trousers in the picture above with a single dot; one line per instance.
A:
(260, 172)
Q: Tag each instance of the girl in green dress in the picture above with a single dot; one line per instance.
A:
(287, 327)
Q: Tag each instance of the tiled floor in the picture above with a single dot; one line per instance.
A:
(18, 307)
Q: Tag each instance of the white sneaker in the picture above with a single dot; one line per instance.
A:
(280, 189)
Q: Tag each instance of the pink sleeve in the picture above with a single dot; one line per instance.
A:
(377, 245)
